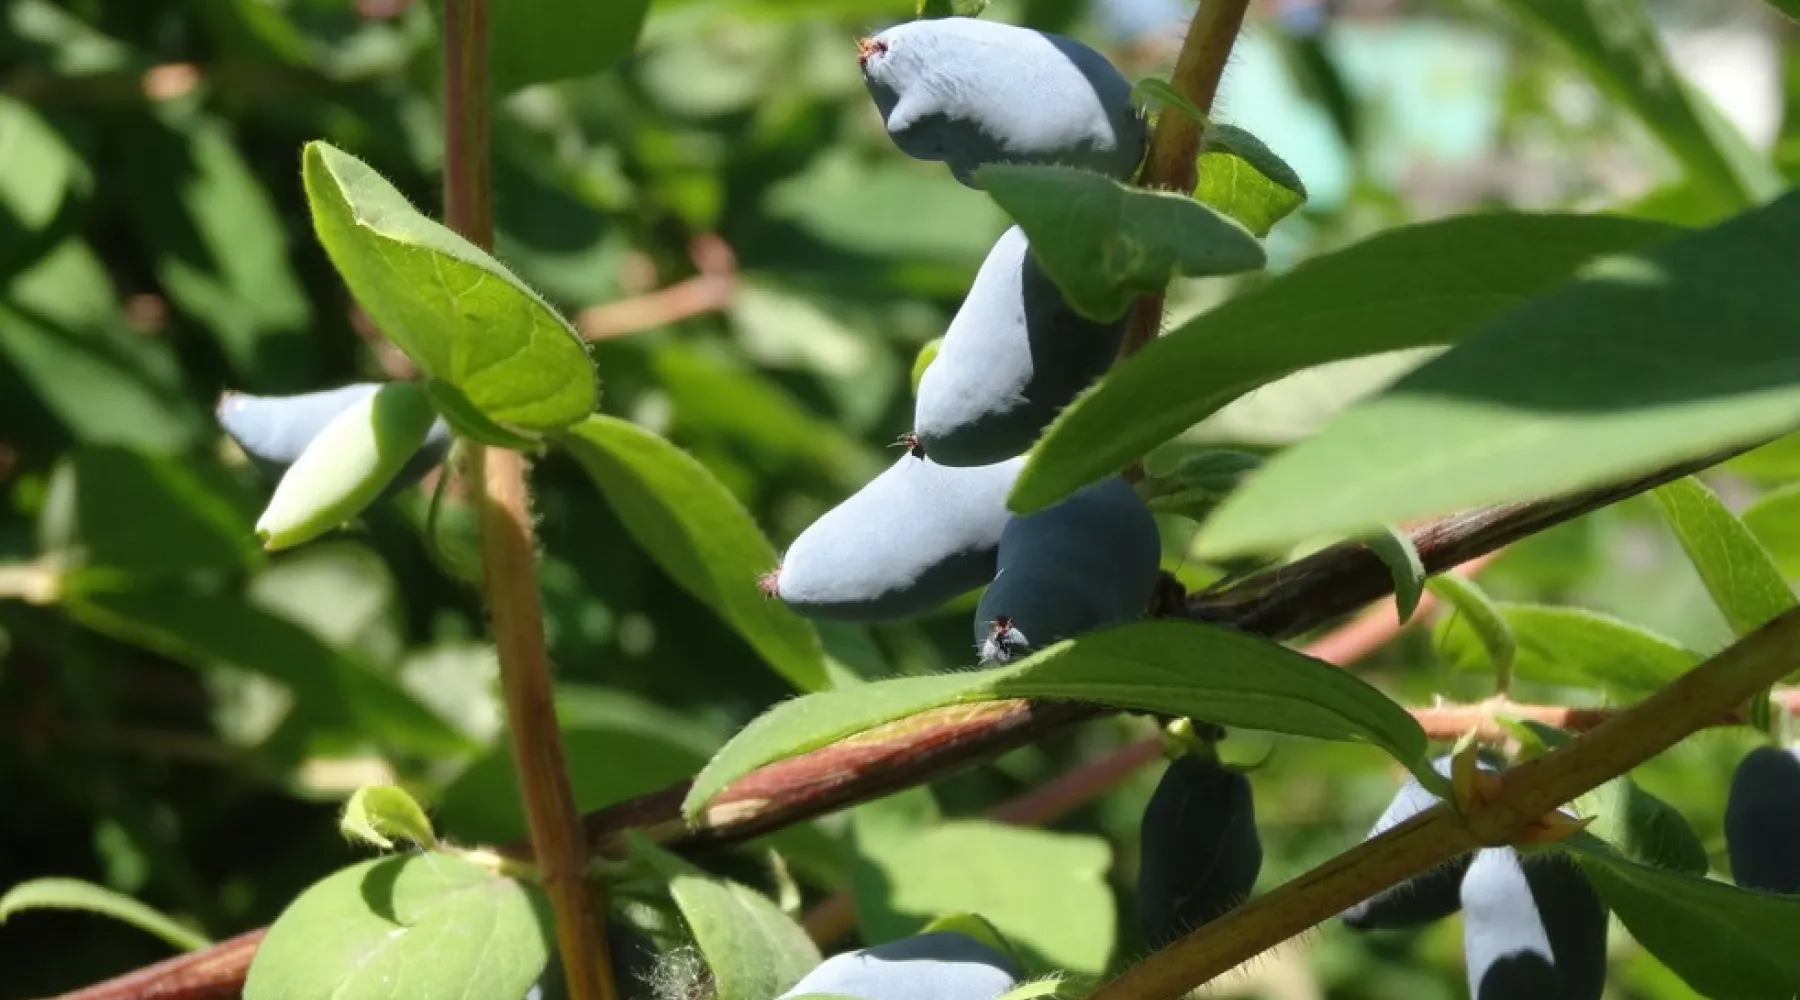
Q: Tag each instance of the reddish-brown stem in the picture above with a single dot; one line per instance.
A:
(509, 553)
(1171, 162)
(708, 291)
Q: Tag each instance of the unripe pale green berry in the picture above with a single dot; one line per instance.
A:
(347, 465)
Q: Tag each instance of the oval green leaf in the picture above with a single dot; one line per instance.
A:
(754, 950)
(1738, 572)
(1244, 179)
(440, 925)
(374, 813)
(456, 311)
(1173, 667)
(1105, 243)
(700, 535)
(1416, 286)
(1550, 398)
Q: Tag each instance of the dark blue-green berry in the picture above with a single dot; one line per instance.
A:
(1762, 820)
(1088, 561)
(1199, 851)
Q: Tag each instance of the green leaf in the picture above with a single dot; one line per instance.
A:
(1547, 399)
(334, 690)
(1725, 942)
(1197, 484)
(1572, 647)
(1628, 818)
(1738, 572)
(1416, 286)
(467, 421)
(1775, 462)
(74, 894)
(62, 331)
(374, 812)
(1155, 88)
(1791, 8)
(754, 950)
(1774, 518)
(1245, 180)
(558, 39)
(1490, 627)
(1396, 551)
(1643, 826)
(951, 8)
(1104, 243)
(1615, 43)
(602, 730)
(111, 509)
(700, 535)
(455, 311)
(711, 397)
(1046, 892)
(1171, 667)
(437, 924)
(221, 251)
(43, 183)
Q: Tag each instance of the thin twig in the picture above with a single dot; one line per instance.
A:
(710, 290)
(509, 554)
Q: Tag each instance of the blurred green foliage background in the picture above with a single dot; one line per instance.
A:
(758, 267)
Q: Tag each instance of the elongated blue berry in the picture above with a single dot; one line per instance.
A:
(1014, 355)
(912, 538)
(942, 965)
(1762, 820)
(1199, 850)
(1533, 928)
(968, 93)
(1087, 562)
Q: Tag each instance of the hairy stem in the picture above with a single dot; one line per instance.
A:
(509, 554)
(1175, 145)
(1698, 698)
